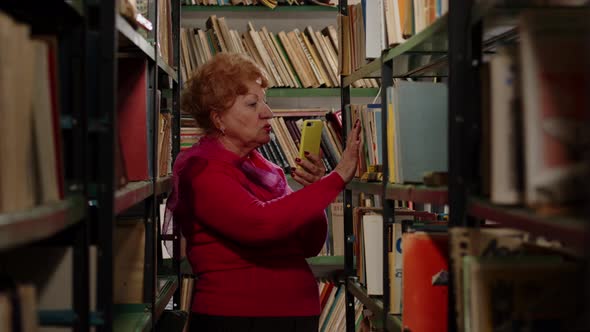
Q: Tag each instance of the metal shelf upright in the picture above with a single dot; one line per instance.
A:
(114, 36)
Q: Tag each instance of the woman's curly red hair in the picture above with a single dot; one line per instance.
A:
(216, 84)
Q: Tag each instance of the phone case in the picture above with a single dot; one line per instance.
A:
(311, 136)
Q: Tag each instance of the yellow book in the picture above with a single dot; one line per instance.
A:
(391, 137)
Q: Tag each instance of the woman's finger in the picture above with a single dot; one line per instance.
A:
(295, 174)
(308, 166)
(314, 158)
(307, 175)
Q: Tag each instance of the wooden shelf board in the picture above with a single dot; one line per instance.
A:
(326, 266)
(164, 185)
(433, 39)
(168, 266)
(133, 37)
(365, 71)
(165, 67)
(296, 112)
(46, 17)
(37, 223)
(249, 9)
(131, 194)
(375, 305)
(375, 188)
(132, 318)
(64, 318)
(403, 192)
(417, 193)
(573, 232)
(77, 5)
(509, 12)
(167, 286)
(432, 42)
(319, 92)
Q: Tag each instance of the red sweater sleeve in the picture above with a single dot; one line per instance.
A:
(222, 203)
(313, 235)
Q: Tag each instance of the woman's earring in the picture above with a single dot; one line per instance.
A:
(222, 129)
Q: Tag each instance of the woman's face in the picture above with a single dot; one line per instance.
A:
(247, 122)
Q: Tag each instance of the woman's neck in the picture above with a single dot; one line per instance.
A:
(230, 145)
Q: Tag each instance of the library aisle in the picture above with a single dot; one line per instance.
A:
(468, 210)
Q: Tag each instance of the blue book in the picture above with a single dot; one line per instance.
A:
(422, 119)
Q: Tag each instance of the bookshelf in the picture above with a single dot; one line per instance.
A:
(285, 19)
(132, 41)
(137, 74)
(41, 222)
(64, 318)
(318, 92)
(570, 229)
(133, 317)
(300, 102)
(450, 52)
(260, 9)
(412, 193)
(392, 322)
(327, 267)
(35, 224)
(132, 194)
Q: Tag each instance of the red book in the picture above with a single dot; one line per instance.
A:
(132, 117)
(425, 305)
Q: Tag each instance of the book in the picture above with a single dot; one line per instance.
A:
(17, 63)
(556, 104)
(483, 242)
(372, 224)
(521, 293)
(375, 31)
(128, 265)
(426, 117)
(425, 255)
(506, 182)
(22, 299)
(46, 132)
(132, 118)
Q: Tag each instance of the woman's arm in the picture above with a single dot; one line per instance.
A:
(224, 205)
(313, 236)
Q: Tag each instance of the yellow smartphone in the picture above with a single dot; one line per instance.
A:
(311, 137)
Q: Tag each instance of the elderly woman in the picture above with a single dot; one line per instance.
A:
(247, 232)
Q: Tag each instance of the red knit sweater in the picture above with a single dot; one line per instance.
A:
(249, 255)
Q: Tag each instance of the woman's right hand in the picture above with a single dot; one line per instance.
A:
(350, 156)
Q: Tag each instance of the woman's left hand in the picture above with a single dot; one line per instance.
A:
(312, 169)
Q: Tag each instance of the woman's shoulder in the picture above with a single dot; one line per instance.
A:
(200, 167)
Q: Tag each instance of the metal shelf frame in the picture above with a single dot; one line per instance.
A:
(62, 223)
(571, 230)
(118, 38)
(132, 41)
(392, 323)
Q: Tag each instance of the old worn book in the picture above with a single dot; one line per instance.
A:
(520, 293)
(556, 104)
(479, 242)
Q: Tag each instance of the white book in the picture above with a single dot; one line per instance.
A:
(373, 241)
(374, 28)
(504, 114)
